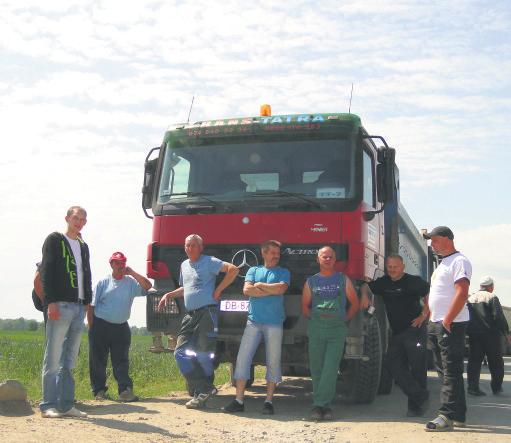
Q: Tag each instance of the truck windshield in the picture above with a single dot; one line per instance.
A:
(311, 170)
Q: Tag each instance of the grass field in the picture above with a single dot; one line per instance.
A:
(21, 356)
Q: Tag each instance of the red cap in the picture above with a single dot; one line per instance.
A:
(119, 256)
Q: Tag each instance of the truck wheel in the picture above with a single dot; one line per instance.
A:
(250, 381)
(360, 379)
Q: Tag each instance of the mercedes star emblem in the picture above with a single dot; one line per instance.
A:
(243, 260)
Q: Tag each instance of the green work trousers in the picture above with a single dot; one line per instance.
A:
(326, 345)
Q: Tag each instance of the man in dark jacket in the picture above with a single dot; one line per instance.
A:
(66, 280)
(485, 330)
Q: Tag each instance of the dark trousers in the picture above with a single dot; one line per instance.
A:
(450, 346)
(114, 339)
(491, 346)
(407, 360)
(195, 349)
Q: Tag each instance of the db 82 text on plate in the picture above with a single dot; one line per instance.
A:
(234, 305)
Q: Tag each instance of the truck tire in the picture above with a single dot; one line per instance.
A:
(361, 379)
(250, 381)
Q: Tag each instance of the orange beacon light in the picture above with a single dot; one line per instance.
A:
(265, 111)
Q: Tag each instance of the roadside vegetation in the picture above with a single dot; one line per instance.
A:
(21, 356)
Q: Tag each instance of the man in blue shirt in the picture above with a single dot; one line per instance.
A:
(265, 286)
(196, 341)
(109, 332)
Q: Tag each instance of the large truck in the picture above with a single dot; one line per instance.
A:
(306, 180)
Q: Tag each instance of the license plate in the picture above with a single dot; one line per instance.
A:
(234, 305)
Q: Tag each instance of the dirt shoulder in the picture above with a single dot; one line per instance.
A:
(166, 419)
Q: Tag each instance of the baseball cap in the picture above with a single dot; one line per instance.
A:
(119, 256)
(440, 231)
(486, 281)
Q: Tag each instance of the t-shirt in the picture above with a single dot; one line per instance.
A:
(328, 294)
(453, 268)
(77, 253)
(113, 298)
(198, 280)
(401, 298)
(270, 308)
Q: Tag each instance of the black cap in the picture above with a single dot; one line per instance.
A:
(440, 231)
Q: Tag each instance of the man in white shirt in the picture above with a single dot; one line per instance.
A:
(449, 318)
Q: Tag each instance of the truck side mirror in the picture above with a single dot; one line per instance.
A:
(148, 185)
(385, 175)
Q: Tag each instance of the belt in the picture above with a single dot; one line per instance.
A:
(194, 311)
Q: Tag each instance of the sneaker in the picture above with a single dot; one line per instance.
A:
(268, 408)
(439, 424)
(476, 392)
(73, 412)
(127, 395)
(51, 413)
(234, 406)
(199, 400)
(327, 414)
(102, 395)
(316, 414)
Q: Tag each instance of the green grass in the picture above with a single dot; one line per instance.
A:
(21, 356)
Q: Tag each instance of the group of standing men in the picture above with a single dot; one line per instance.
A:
(324, 301)
(329, 300)
(64, 284)
(447, 305)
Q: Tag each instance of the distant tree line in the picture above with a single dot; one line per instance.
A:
(22, 324)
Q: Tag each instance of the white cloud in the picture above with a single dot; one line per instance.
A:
(87, 87)
(485, 246)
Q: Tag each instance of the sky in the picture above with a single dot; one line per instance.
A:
(88, 87)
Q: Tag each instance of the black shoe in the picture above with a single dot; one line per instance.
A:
(327, 414)
(234, 406)
(316, 414)
(476, 392)
(268, 409)
(498, 391)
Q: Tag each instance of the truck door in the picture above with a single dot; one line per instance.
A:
(373, 229)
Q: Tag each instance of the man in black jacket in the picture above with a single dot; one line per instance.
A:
(66, 280)
(485, 329)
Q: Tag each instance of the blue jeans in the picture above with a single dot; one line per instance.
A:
(63, 338)
(252, 336)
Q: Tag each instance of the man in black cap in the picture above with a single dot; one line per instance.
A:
(485, 330)
(449, 318)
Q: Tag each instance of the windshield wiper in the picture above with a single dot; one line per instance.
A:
(202, 195)
(196, 194)
(296, 195)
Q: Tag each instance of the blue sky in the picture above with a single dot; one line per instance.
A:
(87, 87)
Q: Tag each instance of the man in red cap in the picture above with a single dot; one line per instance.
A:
(109, 332)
